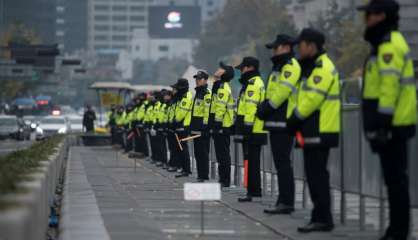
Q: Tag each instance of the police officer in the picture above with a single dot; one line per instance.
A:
(221, 120)
(128, 127)
(120, 115)
(249, 125)
(140, 141)
(149, 126)
(199, 124)
(111, 115)
(181, 123)
(317, 117)
(389, 107)
(171, 138)
(88, 119)
(280, 101)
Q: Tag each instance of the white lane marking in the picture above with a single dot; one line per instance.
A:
(197, 231)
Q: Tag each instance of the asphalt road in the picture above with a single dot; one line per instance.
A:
(8, 146)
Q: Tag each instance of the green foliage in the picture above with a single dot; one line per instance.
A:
(16, 166)
(242, 27)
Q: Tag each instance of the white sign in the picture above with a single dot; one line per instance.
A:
(202, 191)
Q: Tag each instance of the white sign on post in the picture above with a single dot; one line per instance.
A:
(202, 191)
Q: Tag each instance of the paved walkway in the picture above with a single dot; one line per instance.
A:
(147, 202)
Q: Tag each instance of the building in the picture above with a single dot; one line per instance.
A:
(39, 15)
(112, 22)
(71, 25)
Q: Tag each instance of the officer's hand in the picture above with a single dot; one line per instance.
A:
(294, 124)
(264, 110)
(381, 140)
(384, 121)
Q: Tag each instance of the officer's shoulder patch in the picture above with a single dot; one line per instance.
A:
(183, 103)
(250, 93)
(387, 57)
(274, 78)
(319, 63)
(221, 95)
(207, 100)
(317, 79)
(287, 74)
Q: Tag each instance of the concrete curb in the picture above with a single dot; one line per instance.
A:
(29, 219)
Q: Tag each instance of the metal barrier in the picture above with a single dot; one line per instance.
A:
(354, 169)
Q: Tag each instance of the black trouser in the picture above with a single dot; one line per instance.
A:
(252, 153)
(201, 153)
(184, 156)
(162, 147)
(281, 147)
(129, 141)
(119, 136)
(172, 146)
(143, 142)
(113, 135)
(137, 141)
(223, 156)
(394, 160)
(317, 176)
(154, 147)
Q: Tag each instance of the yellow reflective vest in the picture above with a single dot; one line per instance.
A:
(319, 105)
(247, 123)
(389, 88)
(200, 110)
(223, 106)
(282, 88)
(182, 112)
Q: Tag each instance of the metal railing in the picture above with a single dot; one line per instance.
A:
(354, 169)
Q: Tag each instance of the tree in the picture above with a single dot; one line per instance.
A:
(344, 37)
(240, 29)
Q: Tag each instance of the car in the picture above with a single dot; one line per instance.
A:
(52, 125)
(12, 127)
(8, 126)
(76, 123)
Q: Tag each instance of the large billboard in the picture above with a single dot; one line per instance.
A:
(174, 21)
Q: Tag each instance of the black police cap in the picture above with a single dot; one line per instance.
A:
(386, 6)
(313, 36)
(281, 39)
(249, 62)
(181, 83)
(201, 74)
(229, 70)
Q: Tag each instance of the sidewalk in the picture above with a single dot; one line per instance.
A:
(148, 204)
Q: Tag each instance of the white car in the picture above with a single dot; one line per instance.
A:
(53, 125)
(76, 123)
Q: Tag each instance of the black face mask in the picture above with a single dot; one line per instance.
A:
(376, 34)
(247, 76)
(216, 86)
(280, 60)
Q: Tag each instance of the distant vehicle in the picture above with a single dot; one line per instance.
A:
(23, 106)
(53, 125)
(8, 126)
(36, 130)
(76, 123)
(12, 127)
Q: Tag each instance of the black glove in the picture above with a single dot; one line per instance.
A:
(264, 110)
(294, 124)
(381, 140)
(384, 121)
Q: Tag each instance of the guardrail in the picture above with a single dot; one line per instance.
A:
(354, 169)
(30, 218)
